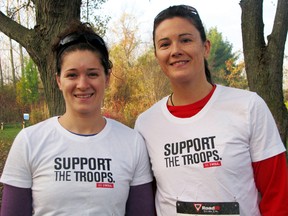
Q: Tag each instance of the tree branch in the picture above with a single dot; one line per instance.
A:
(280, 26)
(14, 30)
(252, 25)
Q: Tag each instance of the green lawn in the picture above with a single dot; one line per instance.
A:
(8, 134)
(6, 138)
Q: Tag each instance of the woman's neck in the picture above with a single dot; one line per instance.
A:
(82, 124)
(188, 94)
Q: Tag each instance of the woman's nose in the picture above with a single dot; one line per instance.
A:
(83, 82)
(176, 50)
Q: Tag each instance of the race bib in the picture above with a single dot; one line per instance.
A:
(207, 208)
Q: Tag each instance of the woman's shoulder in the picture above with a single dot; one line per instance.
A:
(239, 97)
(233, 90)
(41, 126)
(231, 93)
(122, 131)
(117, 126)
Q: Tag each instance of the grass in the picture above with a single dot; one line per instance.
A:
(7, 135)
(6, 139)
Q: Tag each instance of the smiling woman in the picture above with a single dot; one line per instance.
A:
(80, 163)
(83, 72)
(218, 147)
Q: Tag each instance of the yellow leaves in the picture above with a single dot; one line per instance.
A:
(236, 74)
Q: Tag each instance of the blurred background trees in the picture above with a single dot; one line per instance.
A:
(136, 83)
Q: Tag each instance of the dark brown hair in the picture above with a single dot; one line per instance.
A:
(80, 36)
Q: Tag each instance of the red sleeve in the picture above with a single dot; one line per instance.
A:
(271, 179)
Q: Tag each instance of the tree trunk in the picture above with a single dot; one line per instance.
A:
(12, 64)
(264, 61)
(20, 46)
(11, 55)
(38, 41)
(1, 76)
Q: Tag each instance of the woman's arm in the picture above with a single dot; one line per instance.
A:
(16, 201)
(140, 201)
(272, 182)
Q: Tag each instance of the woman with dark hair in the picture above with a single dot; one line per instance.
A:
(79, 163)
(213, 149)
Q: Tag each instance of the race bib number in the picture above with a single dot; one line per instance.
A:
(207, 208)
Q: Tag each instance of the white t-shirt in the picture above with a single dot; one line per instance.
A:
(207, 158)
(77, 175)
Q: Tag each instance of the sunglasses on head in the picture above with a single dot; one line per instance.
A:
(75, 38)
(180, 8)
(190, 9)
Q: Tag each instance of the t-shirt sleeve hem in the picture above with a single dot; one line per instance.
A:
(20, 184)
(146, 180)
(268, 153)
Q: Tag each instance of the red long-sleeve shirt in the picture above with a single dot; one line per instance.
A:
(271, 179)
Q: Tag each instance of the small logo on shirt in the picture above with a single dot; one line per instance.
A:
(212, 164)
(104, 185)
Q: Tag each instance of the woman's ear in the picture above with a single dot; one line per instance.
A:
(207, 46)
(107, 81)
(58, 81)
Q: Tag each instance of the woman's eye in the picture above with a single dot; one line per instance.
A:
(186, 40)
(71, 75)
(163, 45)
(93, 75)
